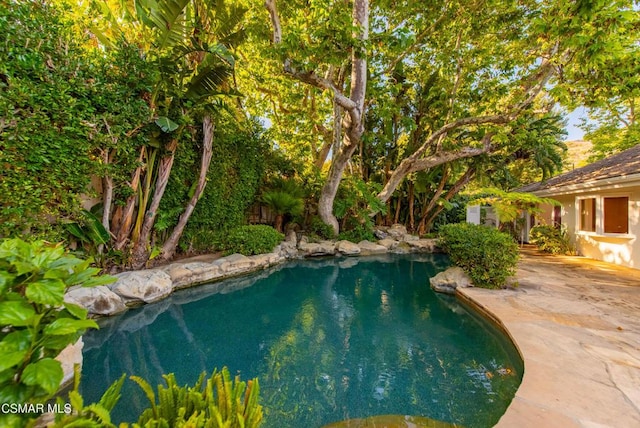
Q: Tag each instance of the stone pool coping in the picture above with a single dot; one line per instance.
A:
(576, 324)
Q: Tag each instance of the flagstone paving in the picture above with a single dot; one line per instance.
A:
(576, 322)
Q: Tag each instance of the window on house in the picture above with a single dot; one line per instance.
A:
(557, 216)
(616, 215)
(588, 215)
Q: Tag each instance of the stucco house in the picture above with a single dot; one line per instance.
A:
(600, 207)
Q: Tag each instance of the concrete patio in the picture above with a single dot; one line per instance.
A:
(576, 322)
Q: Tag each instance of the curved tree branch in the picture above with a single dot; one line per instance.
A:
(418, 162)
(414, 163)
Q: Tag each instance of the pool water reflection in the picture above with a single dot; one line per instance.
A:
(329, 340)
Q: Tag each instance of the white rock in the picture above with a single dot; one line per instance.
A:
(424, 245)
(97, 300)
(348, 248)
(291, 238)
(313, 249)
(388, 243)
(68, 357)
(397, 232)
(367, 248)
(145, 286)
(452, 278)
(187, 274)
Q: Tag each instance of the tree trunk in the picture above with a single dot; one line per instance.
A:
(426, 222)
(355, 118)
(140, 253)
(123, 222)
(278, 222)
(396, 218)
(428, 206)
(411, 204)
(354, 104)
(107, 194)
(169, 247)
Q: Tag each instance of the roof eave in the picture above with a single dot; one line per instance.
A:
(619, 182)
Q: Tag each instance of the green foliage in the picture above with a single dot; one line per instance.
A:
(353, 205)
(534, 151)
(281, 202)
(285, 196)
(250, 240)
(35, 321)
(551, 239)
(510, 205)
(220, 402)
(44, 151)
(456, 212)
(487, 255)
(320, 229)
(94, 415)
(239, 163)
(611, 132)
(358, 233)
(89, 232)
(62, 106)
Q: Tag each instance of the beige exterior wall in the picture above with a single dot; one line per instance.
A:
(621, 249)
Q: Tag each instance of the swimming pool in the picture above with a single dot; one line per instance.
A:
(329, 340)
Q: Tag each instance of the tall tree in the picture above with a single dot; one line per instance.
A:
(353, 104)
(608, 84)
(492, 58)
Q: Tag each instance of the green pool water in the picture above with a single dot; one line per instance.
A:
(328, 339)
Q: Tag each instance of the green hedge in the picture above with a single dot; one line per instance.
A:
(487, 255)
(250, 240)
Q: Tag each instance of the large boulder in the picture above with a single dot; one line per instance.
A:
(234, 264)
(263, 261)
(397, 232)
(98, 300)
(368, 248)
(448, 281)
(187, 274)
(388, 243)
(424, 245)
(402, 248)
(410, 238)
(348, 248)
(380, 232)
(314, 249)
(289, 247)
(292, 237)
(144, 286)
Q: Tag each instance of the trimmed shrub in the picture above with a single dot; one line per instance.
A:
(487, 255)
(250, 240)
(551, 240)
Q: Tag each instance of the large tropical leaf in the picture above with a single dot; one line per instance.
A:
(167, 17)
(228, 30)
(208, 80)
